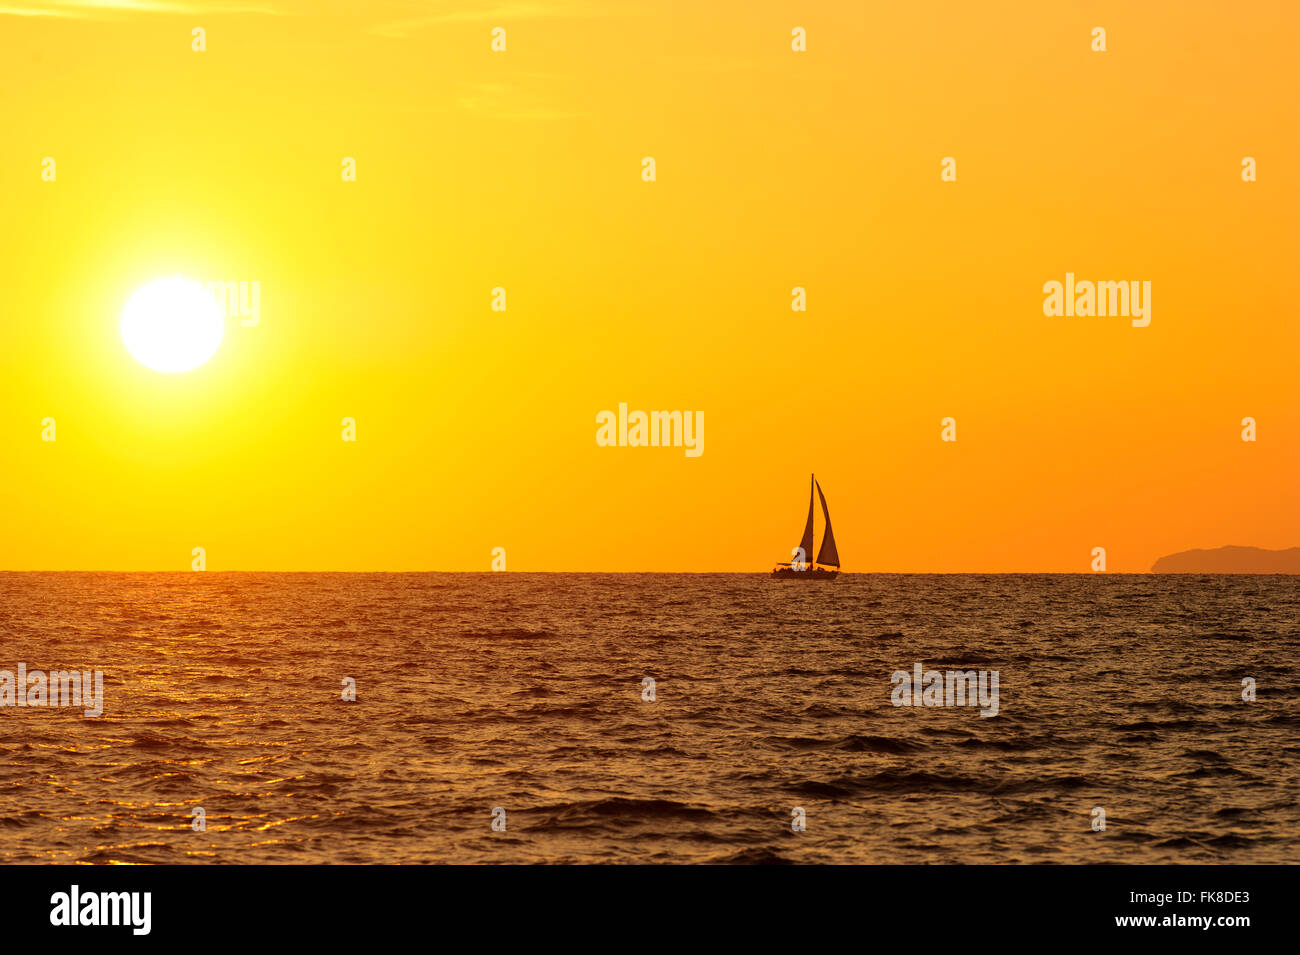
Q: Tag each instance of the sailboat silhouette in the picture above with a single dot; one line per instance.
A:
(799, 567)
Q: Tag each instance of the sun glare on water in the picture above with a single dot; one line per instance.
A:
(172, 325)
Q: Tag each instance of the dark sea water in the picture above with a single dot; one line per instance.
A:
(524, 691)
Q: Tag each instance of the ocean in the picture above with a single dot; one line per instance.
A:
(523, 700)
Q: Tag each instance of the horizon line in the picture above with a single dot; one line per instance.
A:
(698, 573)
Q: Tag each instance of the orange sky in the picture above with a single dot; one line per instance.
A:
(775, 169)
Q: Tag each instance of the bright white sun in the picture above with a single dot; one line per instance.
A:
(172, 325)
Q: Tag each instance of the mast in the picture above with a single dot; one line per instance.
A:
(806, 542)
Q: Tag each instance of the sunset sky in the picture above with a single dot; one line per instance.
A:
(775, 169)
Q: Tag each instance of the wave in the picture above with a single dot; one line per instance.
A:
(853, 743)
(890, 781)
(757, 855)
(509, 633)
(600, 811)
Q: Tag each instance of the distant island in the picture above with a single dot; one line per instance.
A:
(1230, 560)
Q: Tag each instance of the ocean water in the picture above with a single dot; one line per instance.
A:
(524, 692)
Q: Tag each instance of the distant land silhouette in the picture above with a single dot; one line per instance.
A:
(1230, 560)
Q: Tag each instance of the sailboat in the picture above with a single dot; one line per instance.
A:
(827, 565)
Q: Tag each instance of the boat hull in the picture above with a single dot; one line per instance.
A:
(812, 573)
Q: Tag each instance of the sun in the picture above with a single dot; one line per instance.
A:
(172, 325)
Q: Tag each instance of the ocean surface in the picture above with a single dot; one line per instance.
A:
(525, 692)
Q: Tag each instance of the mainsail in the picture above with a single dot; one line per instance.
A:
(806, 545)
(828, 554)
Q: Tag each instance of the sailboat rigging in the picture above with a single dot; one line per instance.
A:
(827, 564)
